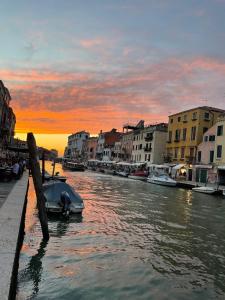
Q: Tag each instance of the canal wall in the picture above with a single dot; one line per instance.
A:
(12, 217)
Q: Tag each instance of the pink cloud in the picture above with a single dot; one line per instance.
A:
(90, 43)
(149, 92)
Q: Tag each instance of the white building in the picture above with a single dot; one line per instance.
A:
(75, 144)
(149, 144)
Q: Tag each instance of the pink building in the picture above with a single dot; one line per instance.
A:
(206, 148)
(203, 171)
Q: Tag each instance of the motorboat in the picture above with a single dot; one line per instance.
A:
(73, 166)
(205, 190)
(109, 171)
(138, 175)
(161, 179)
(122, 173)
(53, 191)
(57, 176)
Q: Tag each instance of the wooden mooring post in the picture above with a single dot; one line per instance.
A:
(37, 179)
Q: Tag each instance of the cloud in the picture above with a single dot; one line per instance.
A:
(93, 101)
(90, 43)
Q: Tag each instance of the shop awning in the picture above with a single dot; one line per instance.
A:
(178, 167)
(221, 168)
(204, 167)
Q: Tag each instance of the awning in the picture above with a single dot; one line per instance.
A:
(204, 167)
(221, 167)
(123, 163)
(178, 167)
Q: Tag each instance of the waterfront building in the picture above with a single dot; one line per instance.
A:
(75, 145)
(185, 132)
(127, 146)
(149, 144)
(7, 117)
(204, 171)
(118, 151)
(90, 147)
(219, 150)
(105, 144)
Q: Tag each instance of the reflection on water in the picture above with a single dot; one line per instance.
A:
(135, 240)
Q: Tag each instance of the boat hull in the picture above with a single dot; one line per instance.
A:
(172, 184)
(142, 178)
(204, 191)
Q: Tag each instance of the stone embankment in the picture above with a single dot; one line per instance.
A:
(12, 216)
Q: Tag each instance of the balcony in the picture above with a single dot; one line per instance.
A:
(148, 138)
(147, 149)
(169, 142)
(190, 159)
(176, 140)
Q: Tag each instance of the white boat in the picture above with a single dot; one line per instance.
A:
(205, 190)
(223, 192)
(122, 173)
(162, 179)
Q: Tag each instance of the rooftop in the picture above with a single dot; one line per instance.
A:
(200, 107)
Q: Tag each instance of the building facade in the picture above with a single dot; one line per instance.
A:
(7, 117)
(90, 147)
(185, 133)
(106, 142)
(74, 149)
(149, 144)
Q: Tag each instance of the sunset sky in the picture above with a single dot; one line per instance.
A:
(97, 64)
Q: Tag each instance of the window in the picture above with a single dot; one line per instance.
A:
(194, 116)
(182, 152)
(219, 151)
(193, 133)
(206, 138)
(192, 150)
(185, 118)
(184, 134)
(199, 156)
(171, 121)
(212, 138)
(178, 119)
(177, 135)
(176, 152)
(206, 116)
(205, 129)
(220, 130)
(140, 146)
(211, 156)
(170, 137)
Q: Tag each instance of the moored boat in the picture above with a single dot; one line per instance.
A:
(205, 190)
(122, 173)
(138, 175)
(57, 176)
(161, 179)
(72, 166)
(53, 192)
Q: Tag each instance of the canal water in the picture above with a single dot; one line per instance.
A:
(135, 240)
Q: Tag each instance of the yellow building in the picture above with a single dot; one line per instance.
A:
(185, 132)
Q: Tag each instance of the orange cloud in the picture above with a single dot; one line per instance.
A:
(64, 102)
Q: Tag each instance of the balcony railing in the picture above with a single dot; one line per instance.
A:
(147, 149)
(148, 138)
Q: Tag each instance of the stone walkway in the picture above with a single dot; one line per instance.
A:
(5, 189)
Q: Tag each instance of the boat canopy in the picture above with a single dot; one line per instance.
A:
(53, 190)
